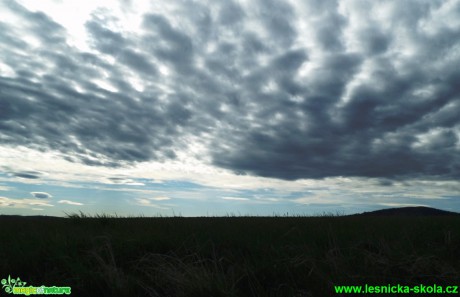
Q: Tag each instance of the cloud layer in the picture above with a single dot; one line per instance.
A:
(290, 90)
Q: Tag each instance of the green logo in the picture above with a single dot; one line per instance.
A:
(18, 287)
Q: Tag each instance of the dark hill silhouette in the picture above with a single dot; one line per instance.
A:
(35, 217)
(410, 211)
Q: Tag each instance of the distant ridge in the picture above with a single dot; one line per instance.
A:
(410, 211)
(40, 217)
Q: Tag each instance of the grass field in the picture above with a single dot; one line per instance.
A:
(228, 256)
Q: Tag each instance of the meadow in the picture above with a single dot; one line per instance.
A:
(228, 256)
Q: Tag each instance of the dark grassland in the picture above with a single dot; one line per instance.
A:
(229, 256)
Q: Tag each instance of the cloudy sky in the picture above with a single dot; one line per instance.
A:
(228, 107)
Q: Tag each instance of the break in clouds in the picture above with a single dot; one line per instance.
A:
(283, 89)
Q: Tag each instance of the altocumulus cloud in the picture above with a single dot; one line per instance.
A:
(27, 174)
(41, 195)
(290, 90)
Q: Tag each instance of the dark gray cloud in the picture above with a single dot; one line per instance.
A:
(330, 27)
(374, 41)
(46, 111)
(230, 13)
(167, 43)
(314, 90)
(27, 174)
(41, 195)
(277, 17)
(380, 125)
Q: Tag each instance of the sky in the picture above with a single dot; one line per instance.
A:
(228, 107)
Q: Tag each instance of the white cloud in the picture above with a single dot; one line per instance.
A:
(5, 188)
(22, 203)
(69, 202)
(149, 203)
(187, 169)
(161, 198)
(235, 198)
